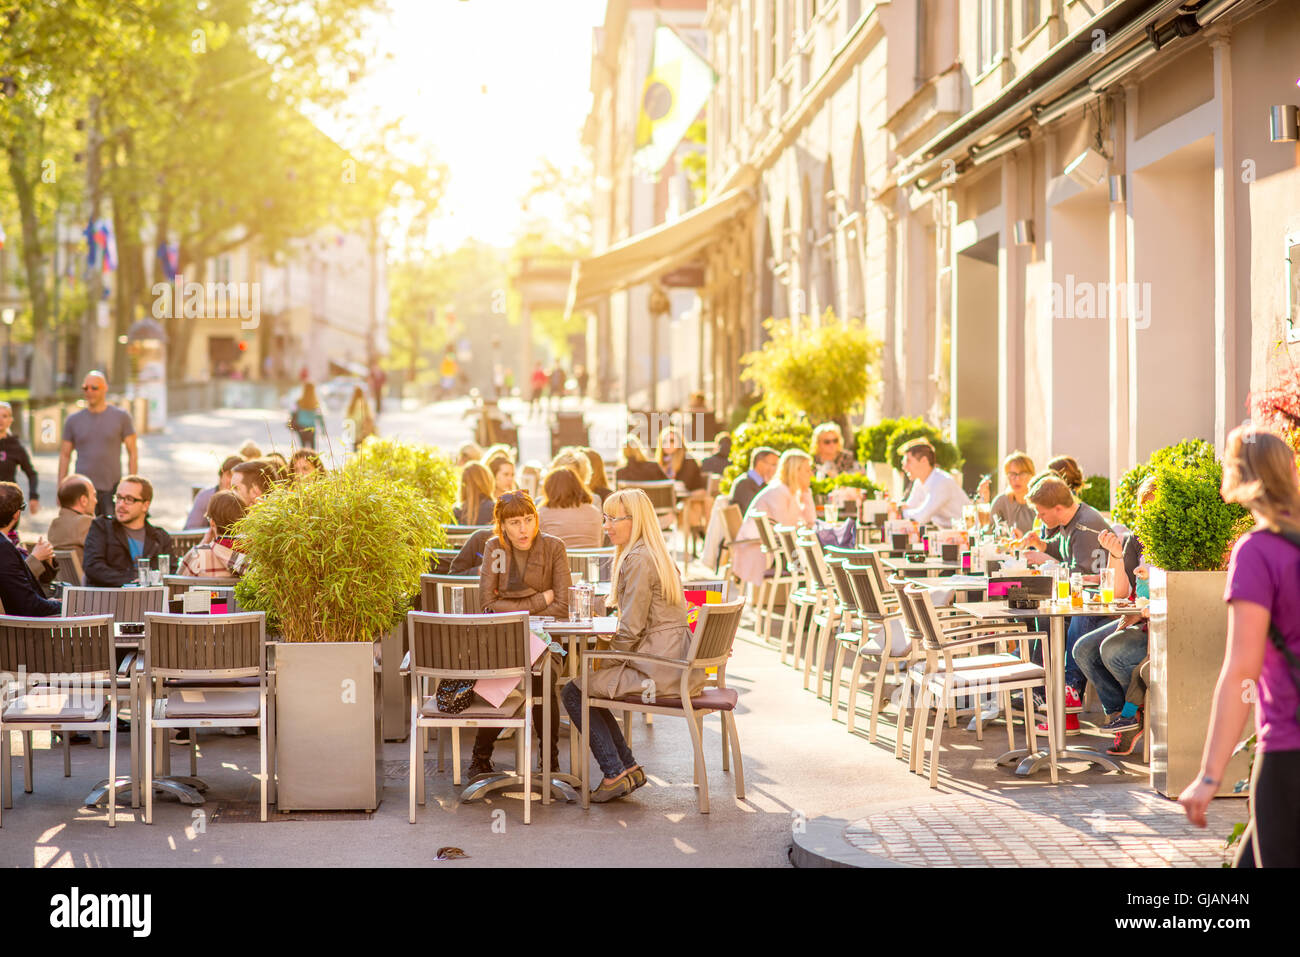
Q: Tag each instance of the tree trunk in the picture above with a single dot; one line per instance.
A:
(88, 356)
(41, 382)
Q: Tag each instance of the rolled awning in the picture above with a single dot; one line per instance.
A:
(654, 251)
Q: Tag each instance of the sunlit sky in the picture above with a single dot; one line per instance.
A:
(494, 86)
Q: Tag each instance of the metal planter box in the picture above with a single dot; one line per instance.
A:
(1189, 633)
(329, 748)
(396, 695)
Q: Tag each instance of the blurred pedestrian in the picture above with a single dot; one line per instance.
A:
(377, 381)
(97, 433)
(580, 373)
(447, 373)
(358, 419)
(538, 385)
(199, 509)
(306, 417)
(14, 456)
(557, 385)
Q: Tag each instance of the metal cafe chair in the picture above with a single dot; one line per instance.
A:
(710, 647)
(70, 571)
(451, 647)
(458, 535)
(76, 653)
(196, 675)
(124, 604)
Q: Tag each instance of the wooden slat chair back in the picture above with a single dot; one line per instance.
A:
(851, 556)
(205, 655)
(183, 541)
(879, 638)
(74, 661)
(458, 535)
(435, 593)
(828, 606)
(468, 647)
(710, 647)
(789, 544)
(178, 585)
(70, 571)
(578, 558)
(124, 604)
(440, 560)
(662, 495)
(719, 585)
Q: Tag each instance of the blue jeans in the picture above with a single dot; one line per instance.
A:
(1075, 629)
(605, 737)
(1108, 656)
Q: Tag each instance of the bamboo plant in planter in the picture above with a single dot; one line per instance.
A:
(333, 562)
(1186, 532)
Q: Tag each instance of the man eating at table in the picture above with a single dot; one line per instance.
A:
(935, 496)
(1073, 529)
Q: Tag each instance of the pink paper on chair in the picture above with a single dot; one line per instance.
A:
(495, 690)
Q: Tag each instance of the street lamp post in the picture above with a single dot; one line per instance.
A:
(8, 316)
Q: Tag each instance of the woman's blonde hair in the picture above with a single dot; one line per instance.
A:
(1259, 472)
(832, 427)
(645, 528)
(573, 459)
(308, 400)
(790, 460)
(1019, 461)
(476, 484)
(633, 450)
(468, 452)
(679, 453)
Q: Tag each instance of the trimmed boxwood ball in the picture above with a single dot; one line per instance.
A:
(1187, 526)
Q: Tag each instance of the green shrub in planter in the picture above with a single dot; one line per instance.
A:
(905, 430)
(339, 557)
(1096, 492)
(423, 468)
(824, 486)
(1188, 527)
(1194, 454)
(872, 441)
(777, 433)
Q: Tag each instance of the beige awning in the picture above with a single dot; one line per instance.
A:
(654, 251)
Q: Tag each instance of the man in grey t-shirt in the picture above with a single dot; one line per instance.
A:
(98, 433)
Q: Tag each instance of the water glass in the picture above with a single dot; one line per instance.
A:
(142, 571)
(155, 576)
(593, 569)
(164, 565)
(575, 600)
(458, 599)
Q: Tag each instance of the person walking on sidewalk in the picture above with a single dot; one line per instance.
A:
(537, 382)
(1262, 661)
(306, 417)
(97, 433)
(14, 456)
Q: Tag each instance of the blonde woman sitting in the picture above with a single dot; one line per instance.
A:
(786, 501)
(476, 496)
(651, 621)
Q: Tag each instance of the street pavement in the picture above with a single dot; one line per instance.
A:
(808, 782)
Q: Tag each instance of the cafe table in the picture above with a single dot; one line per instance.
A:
(930, 568)
(580, 636)
(1054, 666)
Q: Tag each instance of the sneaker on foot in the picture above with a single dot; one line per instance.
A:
(1073, 699)
(1126, 742)
(1120, 723)
(1071, 725)
(479, 766)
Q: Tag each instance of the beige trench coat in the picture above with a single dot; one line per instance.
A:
(648, 625)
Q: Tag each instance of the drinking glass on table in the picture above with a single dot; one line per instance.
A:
(1062, 583)
(575, 600)
(458, 599)
(142, 571)
(1076, 590)
(155, 576)
(164, 565)
(1106, 584)
(831, 512)
(593, 569)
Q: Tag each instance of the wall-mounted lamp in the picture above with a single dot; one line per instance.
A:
(1087, 168)
(1284, 123)
(1023, 232)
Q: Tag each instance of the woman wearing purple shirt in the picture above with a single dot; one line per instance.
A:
(1263, 597)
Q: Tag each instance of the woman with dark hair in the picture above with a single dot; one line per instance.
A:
(523, 570)
(1263, 653)
(1068, 469)
(670, 454)
(306, 417)
(305, 463)
(217, 558)
(567, 512)
(638, 467)
(358, 418)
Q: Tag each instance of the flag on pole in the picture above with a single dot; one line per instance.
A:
(101, 247)
(676, 89)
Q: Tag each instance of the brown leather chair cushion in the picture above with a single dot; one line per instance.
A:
(211, 703)
(710, 699)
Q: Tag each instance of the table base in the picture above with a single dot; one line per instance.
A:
(562, 785)
(1028, 762)
(186, 789)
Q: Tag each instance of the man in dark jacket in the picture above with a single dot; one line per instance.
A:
(18, 589)
(762, 466)
(114, 543)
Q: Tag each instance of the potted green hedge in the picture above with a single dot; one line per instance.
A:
(334, 562)
(1186, 530)
(780, 433)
